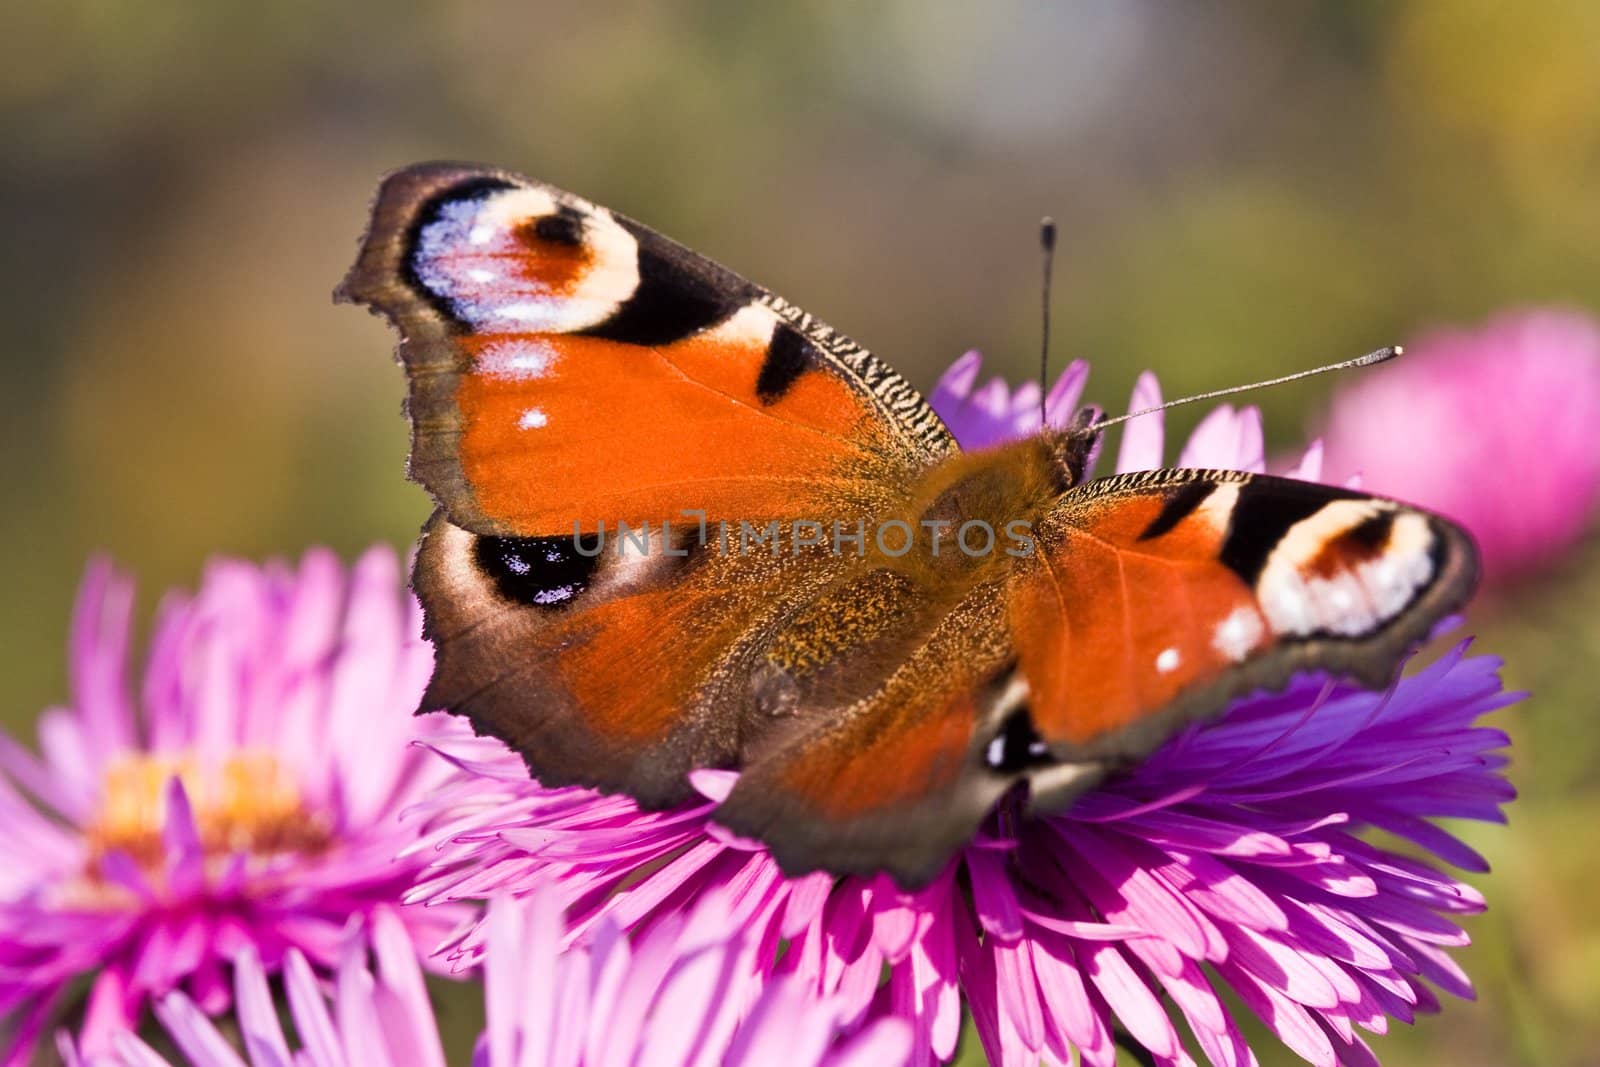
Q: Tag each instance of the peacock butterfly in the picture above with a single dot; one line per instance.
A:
(681, 523)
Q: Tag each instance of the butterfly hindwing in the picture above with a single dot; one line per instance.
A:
(853, 686)
(622, 670)
(896, 772)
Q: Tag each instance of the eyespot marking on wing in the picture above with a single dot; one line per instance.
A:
(1017, 746)
(503, 257)
(544, 572)
(1347, 569)
(565, 227)
(1258, 520)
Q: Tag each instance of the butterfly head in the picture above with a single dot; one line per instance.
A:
(1076, 446)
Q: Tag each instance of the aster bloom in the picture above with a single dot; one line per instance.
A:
(245, 800)
(1234, 860)
(985, 415)
(679, 995)
(1494, 427)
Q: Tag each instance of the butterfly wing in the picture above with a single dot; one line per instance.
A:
(1151, 601)
(890, 773)
(1155, 598)
(622, 671)
(568, 364)
(567, 368)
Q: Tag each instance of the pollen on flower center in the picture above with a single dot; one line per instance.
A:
(247, 803)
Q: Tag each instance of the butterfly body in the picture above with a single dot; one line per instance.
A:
(683, 524)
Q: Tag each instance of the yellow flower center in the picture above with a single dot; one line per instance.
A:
(246, 803)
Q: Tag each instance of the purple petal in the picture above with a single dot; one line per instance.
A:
(397, 966)
(1061, 403)
(1135, 1006)
(994, 895)
(1309, 468)
(781, 1029)
(1143, 439)
(194, 1034)
(956, 383)
(264, 1042)
(310, 1012)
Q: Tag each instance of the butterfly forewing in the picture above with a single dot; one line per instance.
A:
(1157, 597)
(569, 365)
(572, 372)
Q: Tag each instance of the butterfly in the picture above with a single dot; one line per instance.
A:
(576, 378)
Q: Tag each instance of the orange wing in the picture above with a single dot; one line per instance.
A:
(1157, 597)
(569, 365)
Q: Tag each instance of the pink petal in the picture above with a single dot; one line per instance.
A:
(957, 381)
(1143, 438)
(264, 1042)
(1061, 404)
(311, 1019)
(194, 1033)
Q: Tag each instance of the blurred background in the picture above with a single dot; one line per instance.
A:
(1243, 189)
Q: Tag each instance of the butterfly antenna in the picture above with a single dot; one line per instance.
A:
(1047, 246)
(1380, 356)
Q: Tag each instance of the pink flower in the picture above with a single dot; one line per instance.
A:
(680, 995)
(243, 802)
(1499, 428)
(1230, 861)
(985, 415)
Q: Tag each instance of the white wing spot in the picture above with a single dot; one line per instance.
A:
(1238, 634)
(1217, 508)
(1167, 661)
(1014, 696)
(532, 419)
(518, 361)
(750, 325)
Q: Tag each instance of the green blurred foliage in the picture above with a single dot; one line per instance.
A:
(1242, 188)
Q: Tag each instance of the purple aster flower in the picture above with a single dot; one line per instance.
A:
(243, 795)
(1231, 865)
(678, 996)
(1445, 425)
(985, 415)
